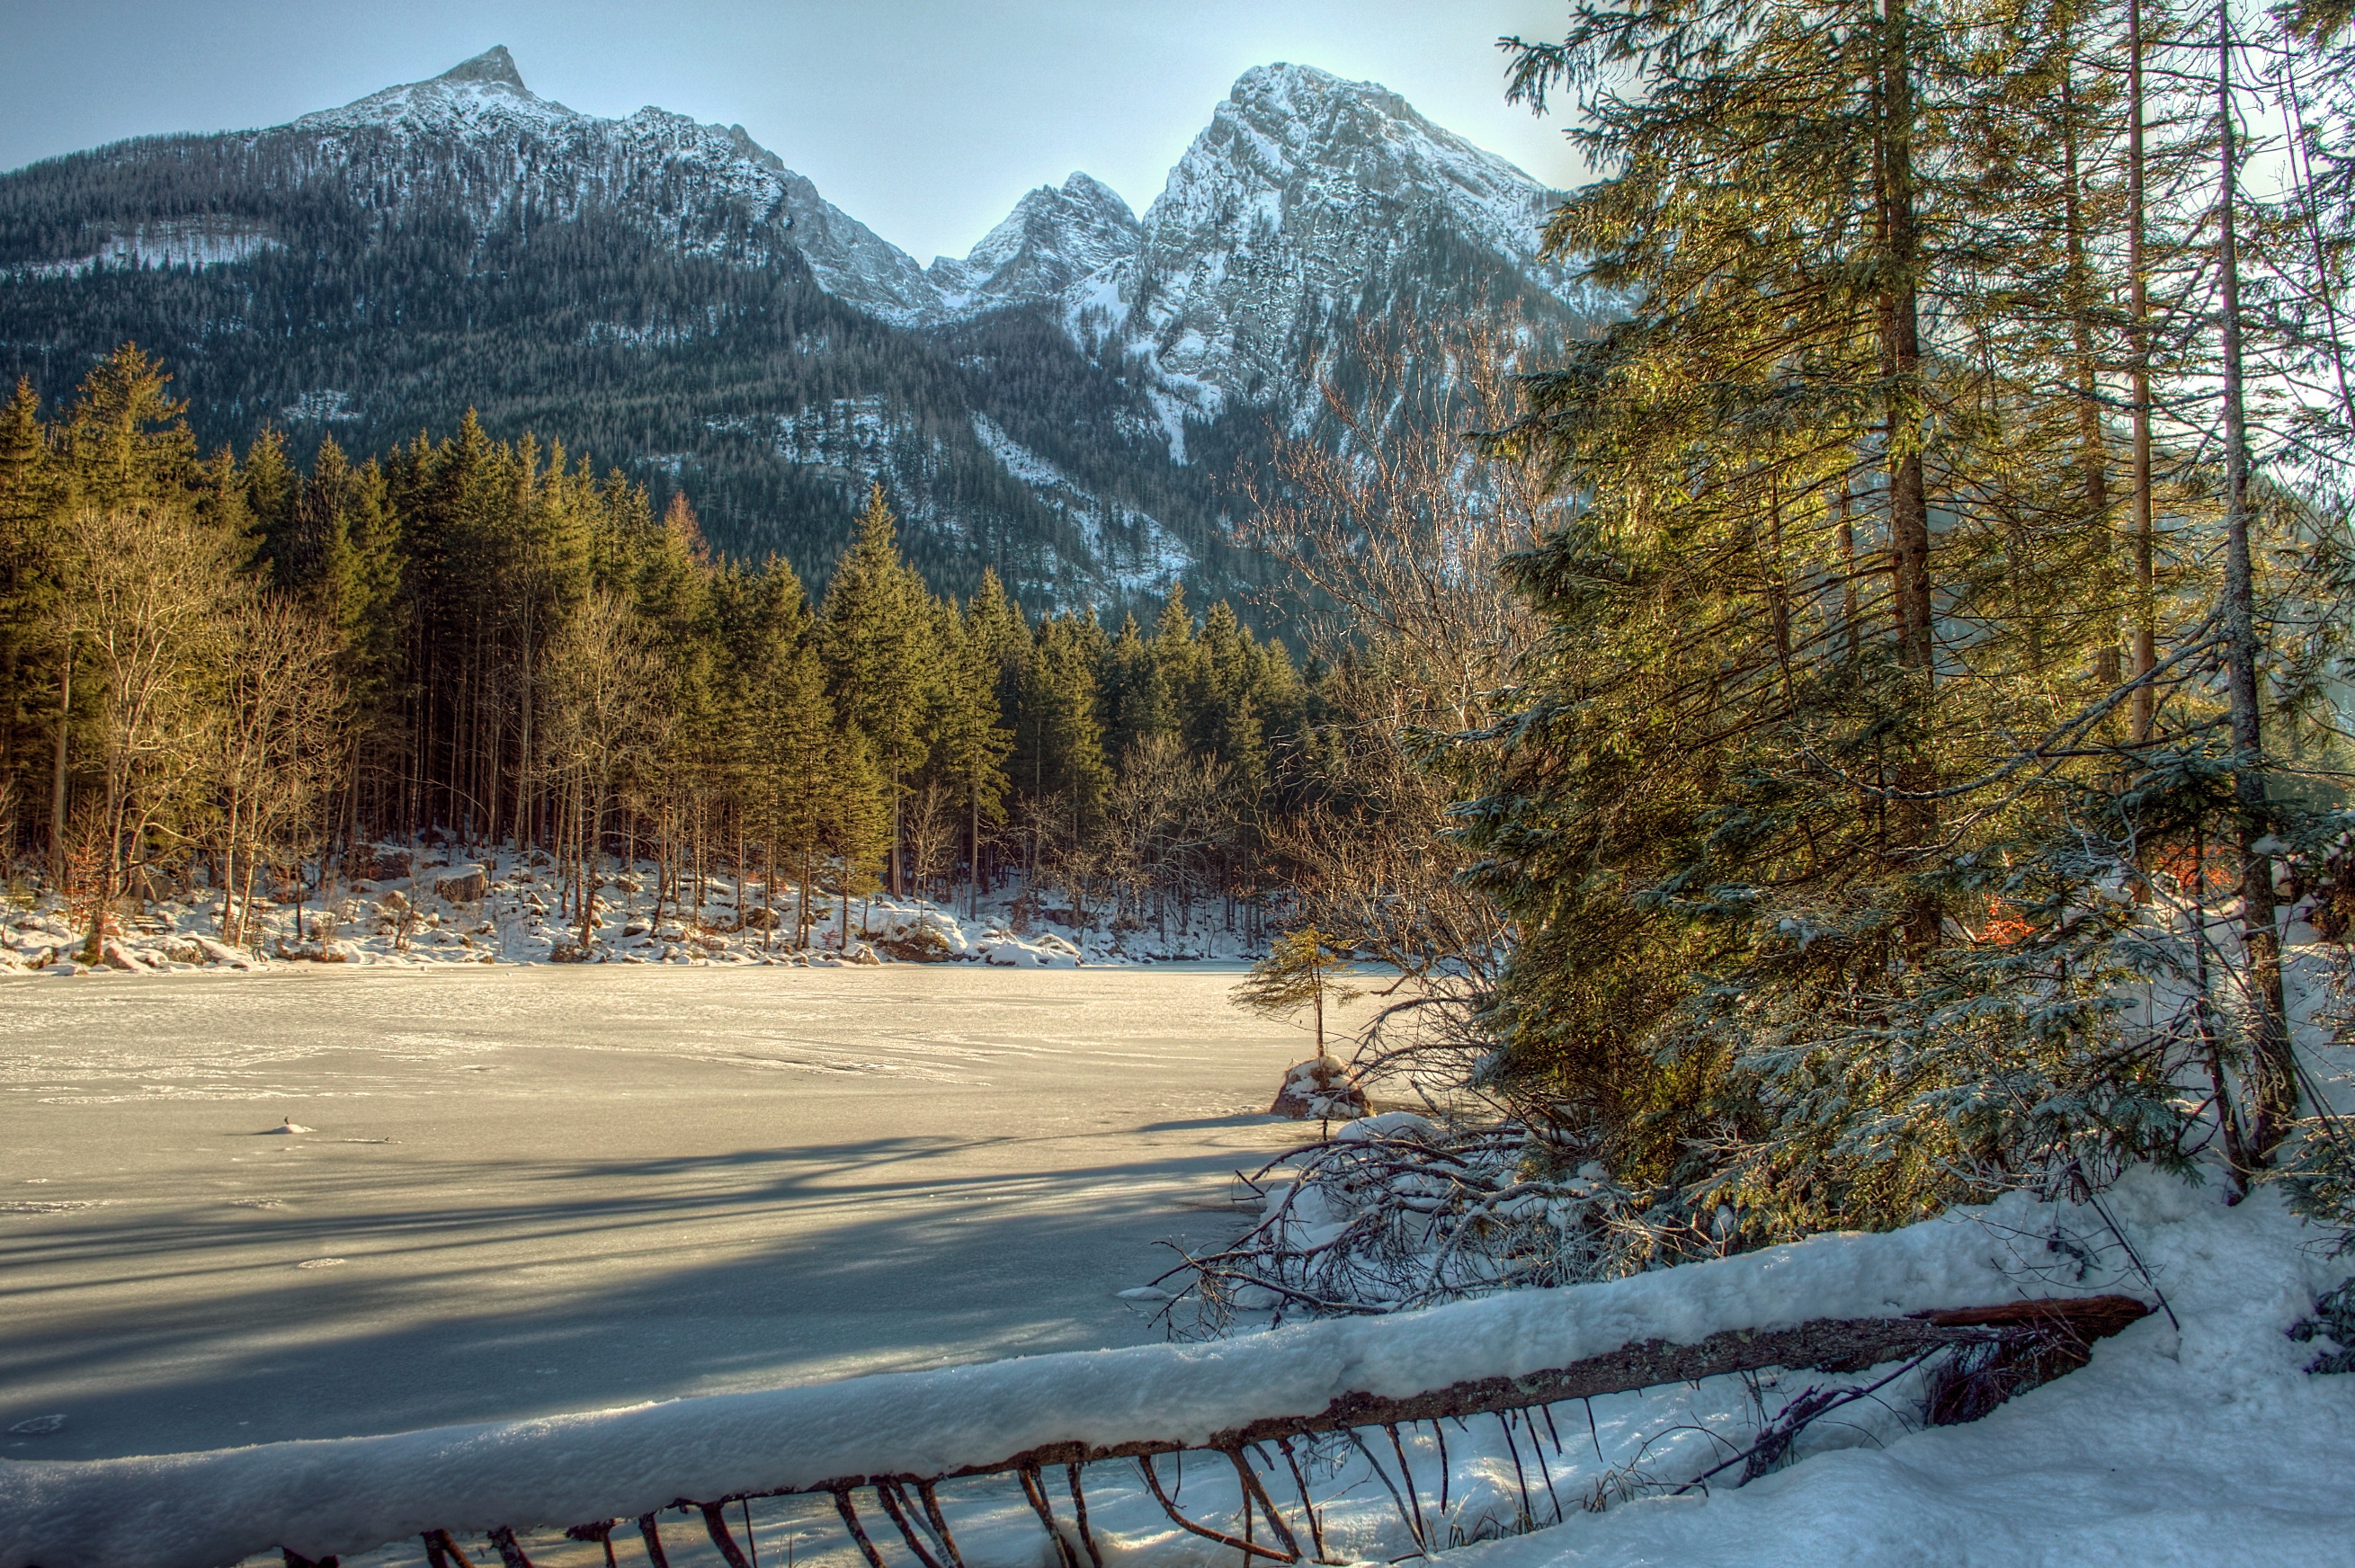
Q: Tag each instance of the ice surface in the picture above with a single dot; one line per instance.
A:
(559, 1187)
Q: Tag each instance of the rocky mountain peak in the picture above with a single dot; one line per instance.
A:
(493, 64)
(1310, 139)
(1054, 236)
(1308, 201)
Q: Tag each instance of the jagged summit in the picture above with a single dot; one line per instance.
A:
(482, 92)
(1308, 202)
(493, 64)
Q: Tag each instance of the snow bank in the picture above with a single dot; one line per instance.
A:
(2244, 1280)
(2210, 1448)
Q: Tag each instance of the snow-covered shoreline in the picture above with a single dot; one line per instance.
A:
(429, 907)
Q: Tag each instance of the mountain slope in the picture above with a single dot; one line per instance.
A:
(1072, 402)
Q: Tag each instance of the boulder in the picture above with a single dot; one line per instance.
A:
(377, 863)
(464, 887)
(922, 944)
(1318, 1089)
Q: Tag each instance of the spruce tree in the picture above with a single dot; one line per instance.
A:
(879, 661)
(969, 744)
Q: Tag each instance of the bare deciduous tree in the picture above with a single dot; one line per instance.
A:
(603, 721)
(1392, 526)
(282, 755)
(147, 613)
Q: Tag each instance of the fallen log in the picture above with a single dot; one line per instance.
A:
(1995, 1351)
(1827, 1344)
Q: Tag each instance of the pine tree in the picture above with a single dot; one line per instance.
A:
(1301, 970)
(30, 577)
(127, 440)
(271, 488)
(879, 661)
(1136, 702)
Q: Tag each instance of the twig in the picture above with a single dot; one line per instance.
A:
(1795, 1418)
(510, 1553)
(891, 1506)
(1307, 1504)
(1252, 1488)
(1505, 1425)
(1153, 1481)
(1036, 1490)
(1406, 1479)
(441, 1552)
(653, 1538)
(1397, 1501)
(940, 1522)
(1079, 1512)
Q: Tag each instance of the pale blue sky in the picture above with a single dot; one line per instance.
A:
(924, 119)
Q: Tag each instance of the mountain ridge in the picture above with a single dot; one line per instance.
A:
(1076, 401)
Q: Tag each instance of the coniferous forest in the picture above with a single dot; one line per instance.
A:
(243, 665)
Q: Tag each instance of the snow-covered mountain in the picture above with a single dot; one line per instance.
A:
(706, 186)
(1308, 201)
(1060, 403)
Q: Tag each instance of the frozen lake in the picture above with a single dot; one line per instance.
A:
(532, 1189)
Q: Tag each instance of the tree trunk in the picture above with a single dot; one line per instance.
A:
(2273, 1096)
(591, 817)
(2089, 437)
(1909, 513)
(897, 888)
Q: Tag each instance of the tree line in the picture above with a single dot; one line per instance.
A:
(247, 668)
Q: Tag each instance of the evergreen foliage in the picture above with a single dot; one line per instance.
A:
(1840, 809)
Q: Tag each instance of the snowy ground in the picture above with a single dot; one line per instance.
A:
(529, 1190)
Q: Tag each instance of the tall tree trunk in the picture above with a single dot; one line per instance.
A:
(896, 889)
(592, 816)
(2090, 439)
(2273, 1096)
(1850, 617)
(2146, 609)
(1909, 512)
(58, 772)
